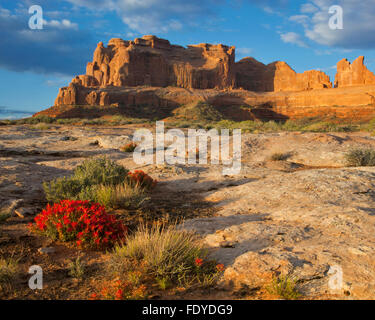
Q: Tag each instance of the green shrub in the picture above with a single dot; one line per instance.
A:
(164, 250)
(68, 121)
(120, 196)
(8, 270)
(77, 269)
(94, 122)
(62, 189)
(4, 216)
(360, 157)
(285, 287)
(169, 256)
(100, 171)
(85, 180)
(321, 127)
(278, 156)
(41, 126)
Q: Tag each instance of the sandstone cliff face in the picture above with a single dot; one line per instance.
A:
(150, 61)
(155, 62)
(353, 74)
(277, 76)
(151, 72)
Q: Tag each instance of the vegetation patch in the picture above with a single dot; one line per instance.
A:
(360, 157)
(284, 287)
(169, 258)
(130, 147)
(278, 156)
(120, 290)
(4, 216)
(8, 270)
(77, 269)
(103, 181)
(124, 195)
(139, 178)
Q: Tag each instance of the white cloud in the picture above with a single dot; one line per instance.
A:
(293, 38)
(301, 19)
(359, 26)
(154, 16)
(63, 24)
(244, 51)
(59, 48)
(308, 8)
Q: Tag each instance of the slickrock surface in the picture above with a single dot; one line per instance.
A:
(304, 215)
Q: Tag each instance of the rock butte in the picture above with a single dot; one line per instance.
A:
(152, 72)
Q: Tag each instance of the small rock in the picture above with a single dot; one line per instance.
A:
(227, 244)
(12, 204)
(68, 138)
(47, 250)
(22, 212)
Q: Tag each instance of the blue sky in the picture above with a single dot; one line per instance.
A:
(34, 64)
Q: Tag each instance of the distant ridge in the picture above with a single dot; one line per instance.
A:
(10, 113)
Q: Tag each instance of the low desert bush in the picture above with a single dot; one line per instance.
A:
(41, 126)
(120, 196)
(141, 179)
(278, 156)
(130, 147)
(100, 171)
(8, 270)
(169, 255)
(77, 269)
(102, 181)
(85, 180)
(284, 287)
(360, 157)
(81, 222)
(94, 122)
(4, 216)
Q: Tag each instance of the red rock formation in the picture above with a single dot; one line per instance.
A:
(353, 74)
(277, 76)
(253, 75)
(155, 62)
(355, 103)
(151, 72)
(150, 61)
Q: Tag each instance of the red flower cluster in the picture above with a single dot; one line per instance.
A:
(84, 222)
(139, 177)
(120, 290)
(220, 267)
(198, 262)
(209, 266)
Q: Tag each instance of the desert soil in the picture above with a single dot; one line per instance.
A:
(307, 216)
